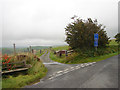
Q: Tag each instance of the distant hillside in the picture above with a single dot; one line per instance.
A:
(18, 50)
(7, 50)
(40, 47)
(10, 50)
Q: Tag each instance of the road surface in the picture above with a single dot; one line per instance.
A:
(102, 74)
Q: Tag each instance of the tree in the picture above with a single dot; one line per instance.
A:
(117, 38)
(80, 33)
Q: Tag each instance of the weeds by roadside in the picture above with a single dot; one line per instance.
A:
(87, 55)
(34, 74)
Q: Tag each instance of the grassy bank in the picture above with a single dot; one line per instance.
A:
(36, 73)
(86, 55)
(33, 75)
(76, 59)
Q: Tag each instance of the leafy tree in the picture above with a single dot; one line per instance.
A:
(117, 38)
(80, 33)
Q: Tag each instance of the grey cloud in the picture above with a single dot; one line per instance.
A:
(42, 22)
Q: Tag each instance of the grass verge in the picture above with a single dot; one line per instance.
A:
(77, 59)
(38, 54)
(85, 55)
(35, 73)
(92, 59)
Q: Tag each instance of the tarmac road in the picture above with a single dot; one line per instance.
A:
(102, 74)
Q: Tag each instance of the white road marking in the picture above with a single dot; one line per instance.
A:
(51, 78)
(71, 67)
(82, 65)
(86, 64)
(90, 63)
(77, 67)
(53, 74)
(59, 71)
(58, 75)
(66, 69)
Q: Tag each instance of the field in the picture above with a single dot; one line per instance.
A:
(61, 47)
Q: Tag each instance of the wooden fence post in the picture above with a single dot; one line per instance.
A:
(24, 63)
(30, 49)
(66, 53)
(14, 49)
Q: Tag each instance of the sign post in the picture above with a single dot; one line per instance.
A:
(96, 41)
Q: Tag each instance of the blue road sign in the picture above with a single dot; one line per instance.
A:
(95, 44)
(95, 36)
(95, 39)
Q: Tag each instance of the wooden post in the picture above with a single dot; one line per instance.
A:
(14, 49)
(24, 63)
(66, 53)
(60, 54)
(30, 49)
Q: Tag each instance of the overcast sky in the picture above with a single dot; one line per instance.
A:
(42, 22)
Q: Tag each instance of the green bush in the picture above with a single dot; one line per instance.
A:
(100, 51)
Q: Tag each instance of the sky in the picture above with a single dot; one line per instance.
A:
(43, 22)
